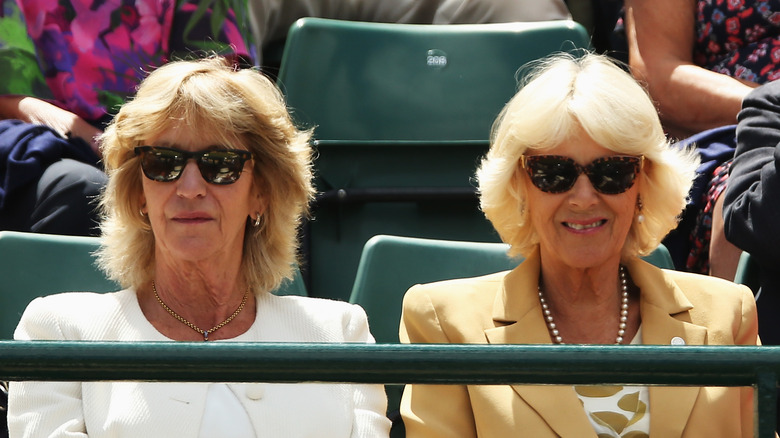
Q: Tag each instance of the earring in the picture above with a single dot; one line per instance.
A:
(640, 219)
(141, 212)
(257, 220)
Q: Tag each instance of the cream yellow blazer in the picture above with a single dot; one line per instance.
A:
(504, 308)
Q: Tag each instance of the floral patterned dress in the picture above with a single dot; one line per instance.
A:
(88, 56)
(739, 38)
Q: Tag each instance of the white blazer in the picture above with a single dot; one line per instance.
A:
(142, 409)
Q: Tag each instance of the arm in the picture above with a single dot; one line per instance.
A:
(33, 110)
(24, 91)
(690, 98)
(750, 208)
(370, 401)
(431, 411)
(50, 409)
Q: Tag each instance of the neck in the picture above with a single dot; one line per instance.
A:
(580, 289)
(203, 297)
(588, 308)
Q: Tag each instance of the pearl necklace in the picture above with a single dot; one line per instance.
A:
(556, 336)
(205, 333)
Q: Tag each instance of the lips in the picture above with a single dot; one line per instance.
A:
(193, 217)
(585, 226)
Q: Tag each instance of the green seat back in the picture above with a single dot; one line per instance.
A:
(389, 265)
(660, 257)
(402, 115)
(380, 81)
(34, 265)
(421, 189)
(748, 272)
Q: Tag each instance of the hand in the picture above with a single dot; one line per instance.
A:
(33, 110)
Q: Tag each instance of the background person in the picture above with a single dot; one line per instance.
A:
(208, 181)
(581, 181)
(67, 67)
(699, 58)
(751, 210)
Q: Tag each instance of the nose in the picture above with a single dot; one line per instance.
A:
(191, 183)
(583, 194)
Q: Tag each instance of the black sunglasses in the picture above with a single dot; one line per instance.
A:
(557, 174)
(217, 166)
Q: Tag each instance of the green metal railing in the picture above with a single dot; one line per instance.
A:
(394, 364)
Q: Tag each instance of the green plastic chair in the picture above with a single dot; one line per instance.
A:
(387, 81)
(402, 116)
(748, 272)
(34, 265)
(390, 265)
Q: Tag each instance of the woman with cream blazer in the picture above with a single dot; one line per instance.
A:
(142, 409)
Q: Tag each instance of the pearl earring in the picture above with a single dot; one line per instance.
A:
(257, 220)
(640, 219)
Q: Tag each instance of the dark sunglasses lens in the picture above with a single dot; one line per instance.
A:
(221, 167)
(552, 174)
(613, 175)
(162, 164)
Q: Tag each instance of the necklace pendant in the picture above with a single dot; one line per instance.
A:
(205, 336)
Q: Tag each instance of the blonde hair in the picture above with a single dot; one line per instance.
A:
(562, 95)
(242, 108)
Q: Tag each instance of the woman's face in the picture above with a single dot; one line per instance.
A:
(581, 227)
(194, 220)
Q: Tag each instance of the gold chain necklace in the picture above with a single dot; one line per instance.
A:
(205, 333)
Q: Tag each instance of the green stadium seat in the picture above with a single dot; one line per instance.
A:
(748, 272)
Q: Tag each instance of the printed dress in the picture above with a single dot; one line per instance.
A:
(88, 56)
(739, 38)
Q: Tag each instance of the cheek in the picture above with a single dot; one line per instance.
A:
(542, 206)
(624, 211)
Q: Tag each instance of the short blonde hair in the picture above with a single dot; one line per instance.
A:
(242, 108)
(563, 94)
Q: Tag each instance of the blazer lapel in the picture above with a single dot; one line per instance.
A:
(517, 316)
(666, 321)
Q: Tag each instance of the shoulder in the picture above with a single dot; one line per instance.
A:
(315, 319)
(460, 291)
(451, 311)
(315, 308)
(73, 314)
(459, 304)
(705, 287)
(727, 309)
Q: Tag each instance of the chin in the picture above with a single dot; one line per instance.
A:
(587, 259)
